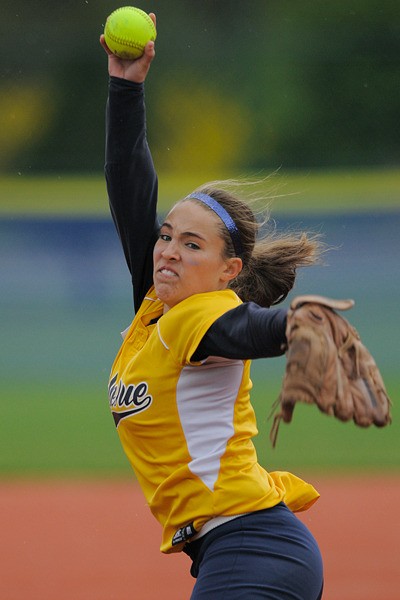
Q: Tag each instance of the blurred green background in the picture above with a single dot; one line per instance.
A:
(245, 85)
(305, 95)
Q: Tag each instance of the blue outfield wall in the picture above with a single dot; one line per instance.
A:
(65, 290)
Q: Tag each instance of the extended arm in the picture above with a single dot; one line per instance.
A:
(245, 332)
(130, 174)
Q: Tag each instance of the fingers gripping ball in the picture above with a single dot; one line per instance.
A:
(127, 31)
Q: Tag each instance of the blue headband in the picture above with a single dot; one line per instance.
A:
(224, 216)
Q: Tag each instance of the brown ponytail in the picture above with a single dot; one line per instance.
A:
(270, 262)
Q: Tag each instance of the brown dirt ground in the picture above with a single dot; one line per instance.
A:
(97, 541)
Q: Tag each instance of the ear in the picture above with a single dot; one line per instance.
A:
(233, 266)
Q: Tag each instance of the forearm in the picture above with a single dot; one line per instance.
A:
(131, 180)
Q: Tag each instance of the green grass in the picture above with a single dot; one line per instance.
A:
(315, 441)
(59, 430)
(295, 192)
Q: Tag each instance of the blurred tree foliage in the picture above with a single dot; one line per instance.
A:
(253, 84)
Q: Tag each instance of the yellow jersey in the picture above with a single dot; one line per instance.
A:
(187, 427)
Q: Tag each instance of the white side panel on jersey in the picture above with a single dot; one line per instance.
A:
(206, 398)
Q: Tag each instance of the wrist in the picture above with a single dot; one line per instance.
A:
(125, 83)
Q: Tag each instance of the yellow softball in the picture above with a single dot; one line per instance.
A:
(127, 31)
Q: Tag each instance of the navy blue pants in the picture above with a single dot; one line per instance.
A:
(268, 554)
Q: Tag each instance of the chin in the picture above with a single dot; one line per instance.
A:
(161, 295)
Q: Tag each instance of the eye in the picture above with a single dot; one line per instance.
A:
(165, 237)
(193, 246)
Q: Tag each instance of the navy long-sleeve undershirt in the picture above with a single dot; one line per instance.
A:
(248, 331)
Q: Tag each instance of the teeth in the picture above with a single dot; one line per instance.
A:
(167, 272)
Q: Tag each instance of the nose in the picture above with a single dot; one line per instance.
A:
(171, 251)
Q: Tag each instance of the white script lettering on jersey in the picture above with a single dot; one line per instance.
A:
(134, 397)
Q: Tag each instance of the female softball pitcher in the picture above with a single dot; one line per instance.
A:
(179, 388)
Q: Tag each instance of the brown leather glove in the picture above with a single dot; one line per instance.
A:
(328, 365)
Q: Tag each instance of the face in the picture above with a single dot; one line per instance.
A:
(188, 256)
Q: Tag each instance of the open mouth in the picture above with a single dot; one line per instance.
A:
(167, 272)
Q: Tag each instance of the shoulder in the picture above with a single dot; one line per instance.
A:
(206, 306)
(184, 325)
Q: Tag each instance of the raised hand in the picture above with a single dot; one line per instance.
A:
(132, 70)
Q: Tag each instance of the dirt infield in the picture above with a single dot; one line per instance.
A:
(98, 541)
